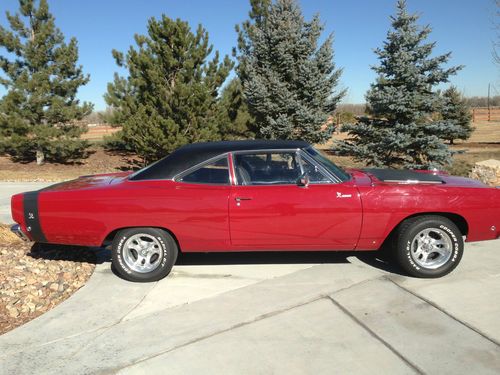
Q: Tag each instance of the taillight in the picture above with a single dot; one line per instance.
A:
(17, 209)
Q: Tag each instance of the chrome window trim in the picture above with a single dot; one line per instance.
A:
(261, 151)
(266, 150)
(151, 179)
(412, 182)
(333, 178)
(336, 178)
(180, 175)
(232, 172)
(300, 154)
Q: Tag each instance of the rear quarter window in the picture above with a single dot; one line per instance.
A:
(216, 173)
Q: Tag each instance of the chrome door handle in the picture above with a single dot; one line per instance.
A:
(239, 199)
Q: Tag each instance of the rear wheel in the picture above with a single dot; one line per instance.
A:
(428, 246)
(143, 254)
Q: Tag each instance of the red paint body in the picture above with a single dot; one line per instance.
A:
(357, 214)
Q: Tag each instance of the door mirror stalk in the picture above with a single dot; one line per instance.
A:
(303, 180)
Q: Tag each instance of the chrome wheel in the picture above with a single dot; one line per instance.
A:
(431, 248)
(142, 253)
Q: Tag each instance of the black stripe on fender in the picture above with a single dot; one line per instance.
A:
(31, 216)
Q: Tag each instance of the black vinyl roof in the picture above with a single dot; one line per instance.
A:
(190, 155)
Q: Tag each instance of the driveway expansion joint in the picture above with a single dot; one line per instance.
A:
(321, 296)
(437, 307)
(372, 333)
(103, 329)
(216, 333)
(107, 328)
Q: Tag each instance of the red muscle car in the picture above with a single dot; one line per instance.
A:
(261, 196)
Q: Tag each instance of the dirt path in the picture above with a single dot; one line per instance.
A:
(99, 161)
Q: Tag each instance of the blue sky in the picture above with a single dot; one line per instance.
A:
(461, 26)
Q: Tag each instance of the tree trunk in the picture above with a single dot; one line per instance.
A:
(40, 157)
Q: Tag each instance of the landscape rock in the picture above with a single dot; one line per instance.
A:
(35, 278)
(487, 171)
(13, 312)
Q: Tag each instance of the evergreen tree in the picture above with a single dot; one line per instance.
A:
(400, 130)
(456, 111)
(170, 97)
(257, 15)
(235, 119)
(289, 82)
(41, 75)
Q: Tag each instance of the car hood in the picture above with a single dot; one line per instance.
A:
(88, 182)
(420, 177)
(462, 181)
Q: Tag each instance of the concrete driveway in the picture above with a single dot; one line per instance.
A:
(8, 189)
(287, 313)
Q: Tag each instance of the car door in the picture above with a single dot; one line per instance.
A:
(269, 210)
(200, 218)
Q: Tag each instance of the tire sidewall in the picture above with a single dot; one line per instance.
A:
(168, 249)
(451, 231)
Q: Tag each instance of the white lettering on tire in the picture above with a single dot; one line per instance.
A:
(119, 255)
(456, 247)
(408, 251)
(454, 239)
(123, 264)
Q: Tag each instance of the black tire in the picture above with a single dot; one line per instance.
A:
(406, 253)
(122, 256)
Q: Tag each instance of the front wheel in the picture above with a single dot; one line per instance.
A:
(143, 254)
(428, 246)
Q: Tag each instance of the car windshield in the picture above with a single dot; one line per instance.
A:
(327, 164)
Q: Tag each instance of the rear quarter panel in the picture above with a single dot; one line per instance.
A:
(86, 217)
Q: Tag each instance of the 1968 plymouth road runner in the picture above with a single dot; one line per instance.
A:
(261, 196)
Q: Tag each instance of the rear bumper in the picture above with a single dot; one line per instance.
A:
(16, 228)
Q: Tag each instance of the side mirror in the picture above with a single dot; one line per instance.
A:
(303, 180)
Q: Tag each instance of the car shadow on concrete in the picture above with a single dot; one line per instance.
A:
(81, 254)
(258, 257)
(379, 260)
(376, 259)
(95, 255)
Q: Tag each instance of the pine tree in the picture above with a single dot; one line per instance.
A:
(41, 75)
(170, 97)
(289, 82)
(235, 120)
(456, 111)
(400, 130)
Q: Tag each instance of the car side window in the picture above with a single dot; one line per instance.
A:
(316, 176)
(267, 168)
(216, 173)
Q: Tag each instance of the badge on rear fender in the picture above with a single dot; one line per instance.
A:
(340, 195)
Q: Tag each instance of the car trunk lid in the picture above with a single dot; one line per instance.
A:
(88, 182)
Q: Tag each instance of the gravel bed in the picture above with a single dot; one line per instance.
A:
(35, 278)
